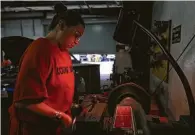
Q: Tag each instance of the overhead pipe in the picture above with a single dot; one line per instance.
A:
(99, 21)
(88, 21)
(10, 16)
(41, 15)
(51, 15)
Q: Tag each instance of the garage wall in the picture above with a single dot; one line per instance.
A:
(28, 28)
(96, 39)
(181, 13)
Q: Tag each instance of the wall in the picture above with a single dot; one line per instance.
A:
(173, 97)
(96, 39)
(31, 28)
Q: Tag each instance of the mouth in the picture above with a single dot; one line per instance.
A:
(71, 45)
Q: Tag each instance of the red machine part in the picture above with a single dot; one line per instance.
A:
(123, 117)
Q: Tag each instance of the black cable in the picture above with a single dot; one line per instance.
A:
(157, 88)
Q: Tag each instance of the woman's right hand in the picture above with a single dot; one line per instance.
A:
(66, 120)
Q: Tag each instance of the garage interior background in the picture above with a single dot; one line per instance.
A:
(98, 39)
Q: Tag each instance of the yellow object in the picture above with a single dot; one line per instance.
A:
(161, 72)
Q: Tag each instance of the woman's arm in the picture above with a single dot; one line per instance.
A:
(43, 109)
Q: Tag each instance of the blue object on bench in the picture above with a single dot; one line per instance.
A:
(10, 89)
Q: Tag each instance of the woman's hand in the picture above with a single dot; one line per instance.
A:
(66, 120)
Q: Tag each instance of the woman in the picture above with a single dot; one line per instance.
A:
(45, 83)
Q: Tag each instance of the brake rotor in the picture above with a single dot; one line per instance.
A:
(128, 90)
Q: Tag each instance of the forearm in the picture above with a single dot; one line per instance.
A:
(45, 110)
(42, 109)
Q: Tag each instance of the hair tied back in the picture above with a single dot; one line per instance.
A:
(60, 8)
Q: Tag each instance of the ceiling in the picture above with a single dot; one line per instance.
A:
(51, 3)
(44, 9)
(84, 7)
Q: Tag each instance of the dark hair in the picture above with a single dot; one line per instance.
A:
(71, 17)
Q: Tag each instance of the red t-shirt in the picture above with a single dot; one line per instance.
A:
(46, 73)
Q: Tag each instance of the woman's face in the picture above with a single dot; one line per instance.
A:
(70, 36)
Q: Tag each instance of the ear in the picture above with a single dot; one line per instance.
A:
(62, 25)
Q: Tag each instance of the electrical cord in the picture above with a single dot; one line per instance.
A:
(157, 88)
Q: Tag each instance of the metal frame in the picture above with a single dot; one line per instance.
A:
(180, 73)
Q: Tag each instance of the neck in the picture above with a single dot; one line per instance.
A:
(52, 37)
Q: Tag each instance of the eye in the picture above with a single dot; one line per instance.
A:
(77, 34)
